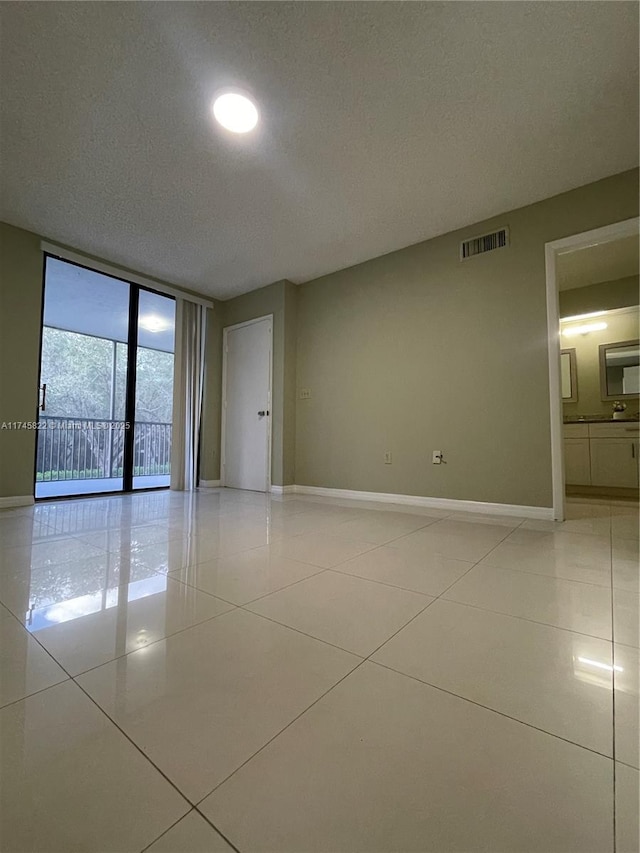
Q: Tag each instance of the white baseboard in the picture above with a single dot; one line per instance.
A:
(283, 490)
(17, 500)
(209, 484)
(543, 512)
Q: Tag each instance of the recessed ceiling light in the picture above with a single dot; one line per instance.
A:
(235, 112)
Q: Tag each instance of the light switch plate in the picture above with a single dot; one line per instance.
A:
(387, 457)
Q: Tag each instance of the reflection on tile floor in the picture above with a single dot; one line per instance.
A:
(227, 670)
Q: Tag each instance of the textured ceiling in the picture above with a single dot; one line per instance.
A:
(600, 262)
(383, 124)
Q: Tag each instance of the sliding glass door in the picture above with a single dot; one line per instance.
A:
(154, 390)
(106, 378)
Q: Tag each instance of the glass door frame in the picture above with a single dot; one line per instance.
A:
(130, 390)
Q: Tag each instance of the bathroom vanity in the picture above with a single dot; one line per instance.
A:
(602, 453)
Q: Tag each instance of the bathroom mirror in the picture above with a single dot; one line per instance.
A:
(569, 373)
(619, 370)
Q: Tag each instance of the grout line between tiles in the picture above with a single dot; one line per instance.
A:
(219, 831)
(298, 631)
(111, 720)
(527, 619)
(544, 575)
(320, 571)
(162, 834)
(37, 692)
(204, 817)
(491, 710)
(277, 734)
(364, 660)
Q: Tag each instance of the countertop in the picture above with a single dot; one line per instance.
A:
(603, 420)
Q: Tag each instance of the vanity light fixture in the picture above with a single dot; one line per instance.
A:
(583, 330)
(582, 317)
(235, 112)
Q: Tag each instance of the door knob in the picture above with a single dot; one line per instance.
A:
(262, 413)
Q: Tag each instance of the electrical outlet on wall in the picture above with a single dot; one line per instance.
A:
(305, 393)
(387, 457)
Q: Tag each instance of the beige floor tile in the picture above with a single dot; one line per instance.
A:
(92, 630)
(624, 525)
(458, 540)
(574, 565)
(22, 530)
(201, 687)
(169, 556)
(72, 782)
(383, 527)
(130, 538)
(473, 530)
(44, 554)
(580, 607)
(349, 612)
(591, 509)
(323, 549)
(202, 702)
(626, 564)
(28, 590)
(510, 521)
(626, 617)
(384, 763)
(534, 673)
(562, 541)
(192, 834)
(430, 574)
(245, 576)
(25, 667)
(626, 676)
(627, 809)
(301, 523)
(597, 526)
(210, 546)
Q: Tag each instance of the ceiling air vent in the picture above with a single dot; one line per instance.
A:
(484, 243)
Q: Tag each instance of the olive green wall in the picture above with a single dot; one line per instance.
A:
(620, 327)
(417, 351)
(600, 297)
(21, 267)
(289, 414)
(277, 299)
(410, 352)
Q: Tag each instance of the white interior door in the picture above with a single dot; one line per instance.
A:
(247, 406)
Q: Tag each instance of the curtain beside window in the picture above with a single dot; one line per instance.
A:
(188, 387)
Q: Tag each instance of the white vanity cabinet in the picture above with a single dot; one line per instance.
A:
(601, 454)
(614, 454)
(577, 461)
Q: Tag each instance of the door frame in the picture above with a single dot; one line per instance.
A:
(606, 234)
(225, 333)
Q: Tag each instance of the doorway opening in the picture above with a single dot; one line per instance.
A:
(594, 360)
(106, 384)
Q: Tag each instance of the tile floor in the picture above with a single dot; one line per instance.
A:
(228, 671)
